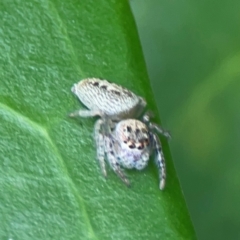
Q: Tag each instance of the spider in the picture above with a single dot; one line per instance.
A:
(126, 141)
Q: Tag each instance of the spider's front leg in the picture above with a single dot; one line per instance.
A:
(160, 161)
(154, 126)
(112, 158)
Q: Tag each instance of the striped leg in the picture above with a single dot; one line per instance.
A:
(160, 161)
(99, 139)
(159, 130)
(154, 126)
(112, 159)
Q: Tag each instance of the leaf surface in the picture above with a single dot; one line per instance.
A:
(51, 185)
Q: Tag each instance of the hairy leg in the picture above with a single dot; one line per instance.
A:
(112, 159)
(154, 126)
(99, 139)
(160, 161)
(85, 113)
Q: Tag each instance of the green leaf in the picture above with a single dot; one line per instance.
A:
(51, 185)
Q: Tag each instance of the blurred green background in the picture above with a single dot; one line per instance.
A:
(192, 51)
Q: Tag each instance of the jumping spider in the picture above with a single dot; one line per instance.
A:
(126, 141)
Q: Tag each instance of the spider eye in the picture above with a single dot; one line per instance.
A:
(129, 129)
(137, 131)
(140, 147)
(131, 146)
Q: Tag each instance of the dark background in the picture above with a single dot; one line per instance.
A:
(192, 51)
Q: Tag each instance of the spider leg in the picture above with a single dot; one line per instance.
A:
(160, 161)
(85, 113)
(99, 139)
(108, 125)
(155, 127)
(112, 159)
(160, 130)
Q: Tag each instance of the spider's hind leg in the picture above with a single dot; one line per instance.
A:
(85, 113)
(99, 139)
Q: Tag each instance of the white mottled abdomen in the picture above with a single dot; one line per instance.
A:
(111, 99)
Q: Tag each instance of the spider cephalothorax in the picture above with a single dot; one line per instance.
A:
(133, 134)
(133, 143)
(125, 140)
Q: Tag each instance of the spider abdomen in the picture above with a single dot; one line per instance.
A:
(109, 98)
